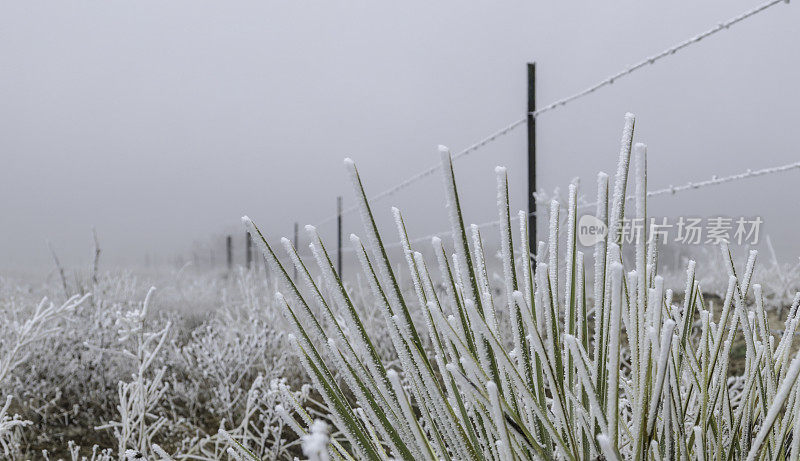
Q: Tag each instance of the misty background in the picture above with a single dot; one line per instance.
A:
(162, 123)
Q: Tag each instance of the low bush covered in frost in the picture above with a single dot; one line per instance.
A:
(130, 367)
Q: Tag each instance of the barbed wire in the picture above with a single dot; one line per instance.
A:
(564, 101)
(668, 52)
(422, 174)
(714, 181)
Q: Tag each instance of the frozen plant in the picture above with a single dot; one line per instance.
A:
(16, 337)
(651, 382)
(17, 334)
(138, 399)
(225, 333)
(261, 434)
(232, 348)
(8, 427)
(63, 387)
(75, 453)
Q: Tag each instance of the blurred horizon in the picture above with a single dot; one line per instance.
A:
(162, 124)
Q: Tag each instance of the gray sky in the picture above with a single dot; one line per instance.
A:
(161, 123)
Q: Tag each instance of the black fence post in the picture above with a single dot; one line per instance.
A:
(339, 235)
(248, 249)
(296, 227)
(229, 250)
(532, 156)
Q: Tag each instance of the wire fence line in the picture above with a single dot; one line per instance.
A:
(428, 172)
(668, 52)
(564, 101)
(714, 181)
(672, 190)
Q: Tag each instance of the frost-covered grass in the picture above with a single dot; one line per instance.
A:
(546, 367)
(540, 352)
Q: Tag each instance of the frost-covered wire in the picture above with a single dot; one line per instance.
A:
(692, 185)
(563, 102)
(713, 181)
(658, 56)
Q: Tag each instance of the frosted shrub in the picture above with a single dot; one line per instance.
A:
(262, 433)
(551, 367)
(240, 342)
(238, 366)
(139, 398)
(19, 330)
(211, 360)
(8, 427)
(74, 450)
(257, 427)
(65, 388)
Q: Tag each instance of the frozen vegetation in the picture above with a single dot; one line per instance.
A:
(435, 351)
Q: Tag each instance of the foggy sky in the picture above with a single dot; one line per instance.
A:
(161, 123)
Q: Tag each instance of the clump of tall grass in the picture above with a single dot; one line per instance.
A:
(551, 367)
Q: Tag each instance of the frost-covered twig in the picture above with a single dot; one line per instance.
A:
(138, 399)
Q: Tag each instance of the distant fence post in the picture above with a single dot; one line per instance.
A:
(531, 156)
(229, 250)
(248, 249)
(339, 235)
(296, 227)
